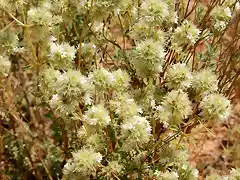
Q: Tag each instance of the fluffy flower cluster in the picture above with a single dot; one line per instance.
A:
(204, 82)
(124, 106)
(48, 79)
(135, 130)
(83, 163)
(9, 42)
(155, 11)
(72, 84)
(97, 115)
(43, 16)
(66, 89)
(221, 16)
(185, 35)
(5, 65)
(96, 141)
(61, 106)
(148, 58)
(215, 106)
(178, 76)
(175, 107)
(88, 49)
(121, 80)
(40, 16)
(103, 79)
(62, 55)
(118, 115)
(140, 31)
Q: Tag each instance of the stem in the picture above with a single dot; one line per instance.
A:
(46, 169)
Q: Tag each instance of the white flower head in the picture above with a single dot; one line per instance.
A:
(82, 132)
(148, 58)
(186, 34)
(84, 161)
(178, 76)
(125, 106)
(215, 106)
(97, 115)
(221, 15)
(136, 128)
(155, 11)
(175, 107)
(204, 82)
(62, 55)
(102, 78)
(72, 85)
(40, 16)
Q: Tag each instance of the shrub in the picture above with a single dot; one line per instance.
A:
(108, 89)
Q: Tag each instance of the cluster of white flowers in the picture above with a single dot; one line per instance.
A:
(97, 115)
(9, 42)
(204, 82)
(125, 106)
(215, 106)
(42, 15)
(140, 31)
(84, 163)
(178, 76)
(159, 12)
(221, 15)
(155, 11)
(104, 80)
(88, 52)
(121, 80)
(148, 58)
(65, 90)
(187, 172)
(62, 55)
(175, 107)
(88, 48)
(55, 101)
(185, 35)
(135, 130)
(48, 78)
(96, 141)
(106, 5)
(62, 107)
(5, 65)
(117, 116)
(72, 84)
(98, 27)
